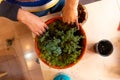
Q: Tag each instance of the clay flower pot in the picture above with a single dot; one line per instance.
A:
(82, 42)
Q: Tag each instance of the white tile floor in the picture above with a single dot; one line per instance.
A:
(16, 60)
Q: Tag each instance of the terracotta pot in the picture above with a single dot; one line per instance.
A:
(70, 65)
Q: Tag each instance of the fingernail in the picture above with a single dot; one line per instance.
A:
(47, 27)
(43, 32)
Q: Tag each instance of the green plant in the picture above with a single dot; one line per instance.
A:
(60, 45)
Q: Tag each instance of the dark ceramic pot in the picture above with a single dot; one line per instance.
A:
(104, 47)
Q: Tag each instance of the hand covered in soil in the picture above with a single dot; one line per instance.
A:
(34, 23)
(70, 13)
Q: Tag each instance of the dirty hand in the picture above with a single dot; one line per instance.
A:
(70, 13)
(34, 23)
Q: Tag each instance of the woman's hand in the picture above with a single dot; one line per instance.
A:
(34, 23)
(70, 13)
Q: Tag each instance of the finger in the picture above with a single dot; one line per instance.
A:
(40, 32)
(45, 26)
(66, 21)
(74, 21)
(71, 22)
(77, 24)
(36, 33)
(41, 29)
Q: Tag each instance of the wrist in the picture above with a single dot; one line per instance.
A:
(24, 16)
(72, 4)
(21, 15)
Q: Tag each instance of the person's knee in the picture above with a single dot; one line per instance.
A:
(58, 7)
(41, 13)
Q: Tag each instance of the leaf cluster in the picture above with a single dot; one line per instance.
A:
(60, 46)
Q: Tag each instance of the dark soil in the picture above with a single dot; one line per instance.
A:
(81, 13)
(105, 48)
